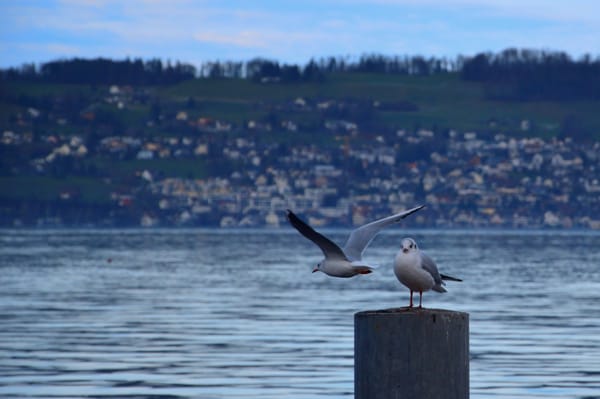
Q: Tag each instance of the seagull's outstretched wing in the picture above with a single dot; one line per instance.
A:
(329, 248)
(361, 237)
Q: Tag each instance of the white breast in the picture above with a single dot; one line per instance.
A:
(408, 270)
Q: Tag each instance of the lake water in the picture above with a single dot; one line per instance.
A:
(238, 314)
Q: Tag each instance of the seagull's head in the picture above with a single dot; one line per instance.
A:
(317, 268)
(408, 245)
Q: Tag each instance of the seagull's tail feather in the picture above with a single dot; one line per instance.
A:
(439, 288)
(363, 269)
(449, 278)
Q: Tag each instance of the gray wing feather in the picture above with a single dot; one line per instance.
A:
(361, 237)
(428, 264)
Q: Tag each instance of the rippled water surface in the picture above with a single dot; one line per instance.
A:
(238, 314)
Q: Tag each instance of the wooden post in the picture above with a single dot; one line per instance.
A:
(411, 354)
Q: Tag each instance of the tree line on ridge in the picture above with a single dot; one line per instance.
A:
(513, 74)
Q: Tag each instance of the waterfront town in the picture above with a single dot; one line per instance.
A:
(465, 178)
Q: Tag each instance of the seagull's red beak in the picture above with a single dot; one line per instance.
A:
(316, 269)
(405, 250)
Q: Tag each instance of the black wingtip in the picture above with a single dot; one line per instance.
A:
(294, 219)
(449, 278)
(289, 214)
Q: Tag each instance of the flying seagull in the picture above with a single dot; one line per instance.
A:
(416, 270)
(347, 261)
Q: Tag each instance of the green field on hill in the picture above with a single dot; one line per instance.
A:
(442, 101)
(385, 101)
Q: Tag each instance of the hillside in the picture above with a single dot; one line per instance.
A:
(102, 154)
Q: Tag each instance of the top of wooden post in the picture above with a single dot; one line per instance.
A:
(414, 311)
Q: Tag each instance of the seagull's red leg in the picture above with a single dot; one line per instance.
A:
(420, 299)
(411, 302)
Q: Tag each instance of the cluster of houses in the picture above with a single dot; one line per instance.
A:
(464, 178)
(503, 182)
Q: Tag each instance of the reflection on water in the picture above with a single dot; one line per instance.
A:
(237, 314)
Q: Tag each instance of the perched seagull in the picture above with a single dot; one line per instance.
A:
(418, 271)
(347, 261)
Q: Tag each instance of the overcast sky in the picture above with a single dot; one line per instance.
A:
(289, 32)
